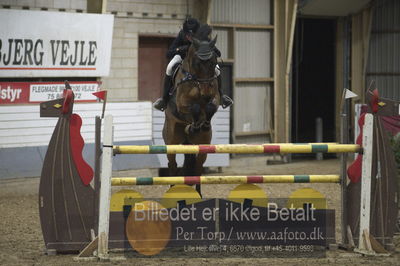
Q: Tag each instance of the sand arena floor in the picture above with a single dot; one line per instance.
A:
(21, 241)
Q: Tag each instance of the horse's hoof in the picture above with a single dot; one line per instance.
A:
(187, 130)
(190, 129)
(195, 129)
(206, 126)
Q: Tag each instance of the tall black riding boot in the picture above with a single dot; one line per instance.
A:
(161, 103)
(226, 101)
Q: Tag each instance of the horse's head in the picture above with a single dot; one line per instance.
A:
(203, 61)
(204, 58)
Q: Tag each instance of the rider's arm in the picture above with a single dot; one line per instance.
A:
(172, 51)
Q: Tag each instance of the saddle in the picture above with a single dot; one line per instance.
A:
(175, 70)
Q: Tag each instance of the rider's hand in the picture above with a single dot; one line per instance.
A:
(182, 49)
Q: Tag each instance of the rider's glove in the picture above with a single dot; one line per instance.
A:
(181, 50)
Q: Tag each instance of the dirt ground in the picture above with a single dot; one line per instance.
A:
(21, 240)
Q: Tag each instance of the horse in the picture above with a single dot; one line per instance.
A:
(194, 101)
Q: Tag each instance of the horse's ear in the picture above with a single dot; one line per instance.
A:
(213, 42)
(196, 43)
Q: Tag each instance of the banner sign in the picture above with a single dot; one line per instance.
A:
(34, 92)
(295, 227)
(54, 44)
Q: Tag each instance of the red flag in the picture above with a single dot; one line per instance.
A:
(101, 94)
(375, 101)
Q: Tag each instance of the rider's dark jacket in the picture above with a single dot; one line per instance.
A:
(180, 46)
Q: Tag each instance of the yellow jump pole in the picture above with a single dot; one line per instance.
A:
(241, 148)
(191, 180)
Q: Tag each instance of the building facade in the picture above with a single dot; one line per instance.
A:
(285, 63)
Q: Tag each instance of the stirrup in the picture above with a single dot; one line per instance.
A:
(160, 104)
(226, 101)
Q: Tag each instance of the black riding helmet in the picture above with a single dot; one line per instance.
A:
(191, 25)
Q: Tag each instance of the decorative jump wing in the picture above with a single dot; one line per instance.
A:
(66, 200)
(384, 173)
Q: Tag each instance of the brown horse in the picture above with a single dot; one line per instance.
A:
(194, 101)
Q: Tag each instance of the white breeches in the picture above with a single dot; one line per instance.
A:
(175, 60)
(217, 71)
(178, 59)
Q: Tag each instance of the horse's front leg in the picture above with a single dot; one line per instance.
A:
(195, 111)
(200, 160)
(172, 166)
(210, 110)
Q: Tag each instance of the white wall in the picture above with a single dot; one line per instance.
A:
(22, 126)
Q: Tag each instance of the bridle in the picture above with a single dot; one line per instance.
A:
(189, 77)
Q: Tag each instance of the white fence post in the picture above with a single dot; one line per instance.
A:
(105, 187)
(366, 176)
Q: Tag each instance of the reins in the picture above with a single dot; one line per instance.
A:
(191, 77)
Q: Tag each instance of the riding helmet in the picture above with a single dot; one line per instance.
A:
(191, 25)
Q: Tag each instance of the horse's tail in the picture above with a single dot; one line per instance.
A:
(189, 165)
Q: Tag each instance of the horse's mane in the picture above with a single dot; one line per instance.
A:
(203, 33)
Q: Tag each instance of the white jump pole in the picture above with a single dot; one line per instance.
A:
(105, 187)
(366, 176)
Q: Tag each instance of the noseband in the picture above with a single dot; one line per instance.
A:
(188, 77)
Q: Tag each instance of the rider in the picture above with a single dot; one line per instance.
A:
(176, 54)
